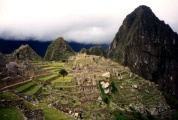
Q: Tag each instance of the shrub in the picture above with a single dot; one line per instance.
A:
(114, 88)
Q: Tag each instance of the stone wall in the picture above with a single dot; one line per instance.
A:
(10, 81)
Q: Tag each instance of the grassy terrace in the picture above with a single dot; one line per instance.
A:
(57, 64)
(53, 114)
(29, 106)
(45, 92)
(33, 90)
(51, 68)
(10, 113)
(69, 86)
(61, 79)
(47, 77)
(24, 87)
(8, 96)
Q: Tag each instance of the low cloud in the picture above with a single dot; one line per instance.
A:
(79, 20)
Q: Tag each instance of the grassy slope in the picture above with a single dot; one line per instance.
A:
(47, 77)
(10, 113)
(24, 87)
(53, 114)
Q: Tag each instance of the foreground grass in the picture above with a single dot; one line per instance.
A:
(53, 114)
(10, 113)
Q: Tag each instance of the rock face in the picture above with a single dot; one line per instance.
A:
(25, 52)
(149, 48)
(95, 50)
(58, 50)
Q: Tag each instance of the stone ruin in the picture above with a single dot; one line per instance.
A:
(12, 73)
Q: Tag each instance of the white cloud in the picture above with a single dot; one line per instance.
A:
(87, 21)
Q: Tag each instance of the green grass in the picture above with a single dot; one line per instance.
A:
(8, 96)
(67, 86)
(10, 113)
(57, 64)
(61, 79)
(47, 77)
(24, 87)
(51, 68)
(29, 106)
(45, 91)
(53, 114)
(33, 90)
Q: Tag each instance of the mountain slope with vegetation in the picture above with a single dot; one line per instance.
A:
(25, 52)
(58, 50)
(95, 50)
(149, 48)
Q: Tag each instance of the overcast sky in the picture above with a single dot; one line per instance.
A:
(85, 21)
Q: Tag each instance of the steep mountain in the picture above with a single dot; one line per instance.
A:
(149, 48)
(25, 52)
(58, 50)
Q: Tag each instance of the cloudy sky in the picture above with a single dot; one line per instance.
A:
(85, 21)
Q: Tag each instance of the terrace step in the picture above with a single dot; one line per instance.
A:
(25, 87)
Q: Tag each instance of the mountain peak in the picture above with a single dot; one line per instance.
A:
(25, 52)
(148, 46)
(59, 49)
(60, 39)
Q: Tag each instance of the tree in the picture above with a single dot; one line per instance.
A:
(63, 72)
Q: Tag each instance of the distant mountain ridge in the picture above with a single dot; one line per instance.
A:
(40, 47)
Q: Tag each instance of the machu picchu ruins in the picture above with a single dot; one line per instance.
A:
(79, 94)
(134, 79)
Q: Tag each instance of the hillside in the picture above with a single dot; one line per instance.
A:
(95, 50)
(58, 50)
(25, 52)
(95, 87)
(149, 48)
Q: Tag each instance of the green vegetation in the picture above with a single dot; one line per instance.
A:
(33, 90)
(24, 87)
(114, 88)
(8, 96)
(10, 113)
(60, 79)
(63, 72)
(96, 50)
(29, 106)
(104, 96)
(45, 91)
(58, 50)
(47, 77)
(53, 114)
(120, 116)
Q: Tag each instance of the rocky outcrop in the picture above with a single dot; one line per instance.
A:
(25, 52)
(148, 47)
(58, 50)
